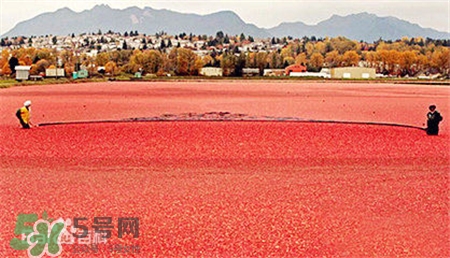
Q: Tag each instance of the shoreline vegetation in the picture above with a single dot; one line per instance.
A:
(8, 83)
(157, 56)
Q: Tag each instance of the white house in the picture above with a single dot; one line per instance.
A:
(22, 72)
(211, 71)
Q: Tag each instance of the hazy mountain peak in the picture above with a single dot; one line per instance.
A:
(65, 9)
(227, 13)
(297, 23)
(362, 15)
(225, 16)
(101, 7)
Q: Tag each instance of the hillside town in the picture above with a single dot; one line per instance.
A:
(114, 54)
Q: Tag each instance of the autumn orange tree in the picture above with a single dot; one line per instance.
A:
(154, 61)
(389, 59)
(350, 58)
(4, 60)
(5, 69)
(88, 62)
(274, 60)
(183, 61)
(228, 63)
(288, 54)
(333, 59)
(301, 59)
(120, 57)
(208, 60)
(408, 62)
(342, 45)
(111, 68)
(68, 60)
(316, 62)
(102, 58)
(440, 59)
(147, 61)
(25, 55)
(41, 65)
(372, 59)
(46, 54)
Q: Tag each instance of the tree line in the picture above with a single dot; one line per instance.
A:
(408, 56)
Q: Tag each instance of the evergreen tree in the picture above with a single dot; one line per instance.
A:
(163, 45)
(242, 37)
(273, 41)
(219, 35)
(13, 62)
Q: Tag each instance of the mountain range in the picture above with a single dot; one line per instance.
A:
(362, 26)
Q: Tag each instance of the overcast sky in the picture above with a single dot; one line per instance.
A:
(266, 14)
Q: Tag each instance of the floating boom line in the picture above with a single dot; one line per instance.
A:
(226, 117)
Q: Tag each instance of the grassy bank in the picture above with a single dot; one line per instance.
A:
(7, 83)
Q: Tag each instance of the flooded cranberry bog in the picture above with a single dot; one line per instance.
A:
(227, 169)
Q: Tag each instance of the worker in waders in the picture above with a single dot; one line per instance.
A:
(24, 115)
(433, 120)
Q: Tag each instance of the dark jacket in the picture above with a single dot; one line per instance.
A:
(434, 118)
